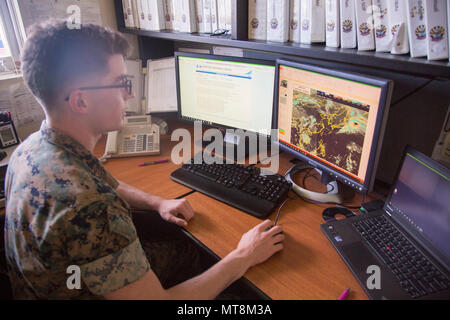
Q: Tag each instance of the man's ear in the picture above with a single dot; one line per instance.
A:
(77, 102)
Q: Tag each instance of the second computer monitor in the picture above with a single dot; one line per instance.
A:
(332, 120)
(226, 92)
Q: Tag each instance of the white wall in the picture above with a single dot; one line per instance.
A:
(109, 20)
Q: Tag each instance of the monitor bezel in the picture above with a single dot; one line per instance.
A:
(223, 58)
(380, 123)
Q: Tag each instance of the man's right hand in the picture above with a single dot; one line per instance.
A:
(261, 242)
(256, 246)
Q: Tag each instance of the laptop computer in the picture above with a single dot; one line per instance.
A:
(403, 250)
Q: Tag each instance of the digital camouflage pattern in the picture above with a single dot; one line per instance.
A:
(62, 210)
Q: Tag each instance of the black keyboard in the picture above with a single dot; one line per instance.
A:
(240, 186)
(415, 272)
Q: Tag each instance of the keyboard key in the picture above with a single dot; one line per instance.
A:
(414, 272)
(237, 185)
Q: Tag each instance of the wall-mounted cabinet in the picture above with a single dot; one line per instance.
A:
(238, 38)
(421, 94)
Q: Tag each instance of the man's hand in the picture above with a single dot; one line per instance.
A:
(176, 211)
(261, 242)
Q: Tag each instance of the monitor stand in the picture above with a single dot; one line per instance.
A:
(235, 147)
(332, 195)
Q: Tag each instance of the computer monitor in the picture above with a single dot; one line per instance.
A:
(226, 92)
(332, 120)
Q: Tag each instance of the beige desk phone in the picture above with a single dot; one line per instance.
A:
(139, 137)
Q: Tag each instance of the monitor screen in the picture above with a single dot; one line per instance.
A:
(226, 92)
(331, 119)
(420, 199)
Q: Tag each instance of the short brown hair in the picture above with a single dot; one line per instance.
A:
(54, 56)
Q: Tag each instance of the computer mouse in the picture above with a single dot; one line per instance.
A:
(330, 213)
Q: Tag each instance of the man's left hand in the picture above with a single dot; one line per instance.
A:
(176, 211)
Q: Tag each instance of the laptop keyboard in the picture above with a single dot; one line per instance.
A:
(414, 272)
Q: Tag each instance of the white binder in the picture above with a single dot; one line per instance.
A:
(168, 14)
(156, 20)
(214, 19)
(332, 33)
(128, 14)
(143, 14)
(207, 16)
(294, 20)
(187, 21)
(199, 16)
(436, 26)
(348, 23)
(313, 21)
(221, 14)
(135, 4)
(398, 26)
(417, 33)
(364, 21)
(176, 7)
(257, 19)
(228, 15)
(383, 36)
(278, 20)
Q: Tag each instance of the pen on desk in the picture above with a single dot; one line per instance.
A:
(152, 162)
(344, 294)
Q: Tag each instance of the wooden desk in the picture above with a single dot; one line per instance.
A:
(154, 179)
(307, 268)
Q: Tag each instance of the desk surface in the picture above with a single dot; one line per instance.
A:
(154, 179)
(307, 268)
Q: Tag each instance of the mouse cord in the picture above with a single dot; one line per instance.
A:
(279, 209)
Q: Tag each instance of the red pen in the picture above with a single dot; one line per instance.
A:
(344, 294)
(152, 162)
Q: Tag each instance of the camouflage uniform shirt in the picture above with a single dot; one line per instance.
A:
(62, 210)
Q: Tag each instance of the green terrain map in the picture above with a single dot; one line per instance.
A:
(330, 130)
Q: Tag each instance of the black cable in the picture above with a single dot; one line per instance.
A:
(307, 175)
(185, 195)
(279, 209)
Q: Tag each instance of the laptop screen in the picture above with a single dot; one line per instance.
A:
(421, 200)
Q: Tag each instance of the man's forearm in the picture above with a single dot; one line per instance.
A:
(212, 282)
(138, 199)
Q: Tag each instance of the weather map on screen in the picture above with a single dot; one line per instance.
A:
(329, 127)
(328, 118)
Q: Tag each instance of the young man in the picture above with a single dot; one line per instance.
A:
(64, 209)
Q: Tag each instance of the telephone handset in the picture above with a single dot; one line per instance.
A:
(138, 137)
